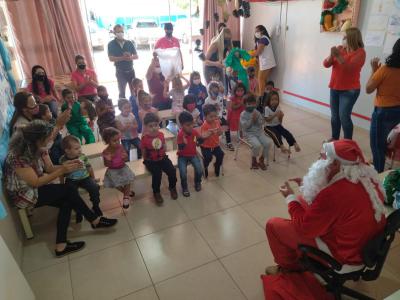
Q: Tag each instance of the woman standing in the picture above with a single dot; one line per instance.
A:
(216, 53)
(28, 174)
(266, 58)
(386, 81)
(346, 62)
(43, 89)
(84, 80)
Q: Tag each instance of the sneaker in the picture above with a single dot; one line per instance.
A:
(230, 147)
(79, 218)
(97, 210)
(174, 194)
(254, 163)
(186, 193)
(158, 198)
(261, 164)
(197, 187)
(104, 223)
(70, 248)
(125, 202)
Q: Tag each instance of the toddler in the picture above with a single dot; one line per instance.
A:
(189, 105)
(155, 158)
(236, 107)
(251, 123)
(127, 124)
(270, 86)
(187, 140)
(83, 178)
(77, 124)
(216, 99)
(104, 109)
(145, 101)
(137, 86)
(199, 91)
(177, 93)
(253, 81)
(210, 131)
(118, 174)
(88, 111)
(216, 77)
(232, 81)
(273, 117)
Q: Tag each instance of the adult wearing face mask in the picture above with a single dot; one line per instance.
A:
(346, 62)
(265, 54)
(43, 89)
(122, 52)
(168, 41)
(84, 80)
(216, 53)
(155, 82)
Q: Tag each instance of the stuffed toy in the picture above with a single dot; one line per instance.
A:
(252, 62)
(340, 7)
(327, 20)
(233, 61)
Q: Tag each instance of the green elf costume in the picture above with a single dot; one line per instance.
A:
(233, 61)
(77, 125)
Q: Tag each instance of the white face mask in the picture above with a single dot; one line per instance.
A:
(119, 35)
(157, 70)
(258, 35)
(344, 43)
(48, 146)
(197, 81)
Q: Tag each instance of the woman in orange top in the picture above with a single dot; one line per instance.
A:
(386, 80)
(346, 62)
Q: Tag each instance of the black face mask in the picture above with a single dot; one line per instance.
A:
(168, 33)
(40, 77)
(104, 97)
(82, 66)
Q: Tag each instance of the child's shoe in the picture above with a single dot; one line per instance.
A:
(125, 202)
(186, 192)
(174, 193)
(297, 147)
(261, 163)
(158, 198)
(132, 194)
(230, 147)
(97, 210)
(197, 187)
(254, 163)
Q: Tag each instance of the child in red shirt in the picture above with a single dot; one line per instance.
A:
(210, 131)
(236, 107)
(155, 158)
(187, 140)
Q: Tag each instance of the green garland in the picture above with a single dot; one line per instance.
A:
(391, 184)
(340, 7)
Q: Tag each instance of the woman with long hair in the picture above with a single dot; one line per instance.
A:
(385, 79)
(43, 89)
(265, 54)
(25, 109)
(28, 176)
(346, 62)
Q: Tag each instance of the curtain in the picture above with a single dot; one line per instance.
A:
(49, 33)
(210, 7)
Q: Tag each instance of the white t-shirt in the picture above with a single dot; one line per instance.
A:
(219, 102)
(127, 134)
(266, 58)
(269, 112)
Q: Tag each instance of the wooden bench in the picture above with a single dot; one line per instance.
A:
(165, 115)
(95, 149)
(136, 166)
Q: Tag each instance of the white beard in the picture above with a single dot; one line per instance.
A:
(315, 180)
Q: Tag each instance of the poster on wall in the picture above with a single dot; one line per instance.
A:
(339, 15)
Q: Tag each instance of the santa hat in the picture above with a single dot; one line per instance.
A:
(345, 151)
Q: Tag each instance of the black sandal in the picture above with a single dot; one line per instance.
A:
(71, 247)
(104, 223)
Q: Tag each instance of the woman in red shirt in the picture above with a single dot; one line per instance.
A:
(84, 80)
(346, 62)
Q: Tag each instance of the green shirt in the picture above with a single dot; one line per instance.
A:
(76, 115)
(81, 173)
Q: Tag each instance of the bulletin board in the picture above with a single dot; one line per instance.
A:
(338, 15)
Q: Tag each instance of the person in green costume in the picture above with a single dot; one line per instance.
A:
(77, 125)
(233, 61)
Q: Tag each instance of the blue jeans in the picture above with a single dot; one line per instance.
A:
(182, 165)
(342, 103)
(383, 120)
(135, 142)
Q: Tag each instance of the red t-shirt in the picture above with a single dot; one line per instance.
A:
(79, 78)
(42, 91)
(153, 146)
(189, 141)
(165, 43)
(156, 88)
(213, 140)
(346, 76)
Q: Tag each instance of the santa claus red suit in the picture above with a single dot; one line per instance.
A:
(338, 212)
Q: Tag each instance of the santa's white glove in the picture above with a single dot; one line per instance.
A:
(291, 198)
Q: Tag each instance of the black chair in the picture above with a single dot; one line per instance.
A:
(373, 255)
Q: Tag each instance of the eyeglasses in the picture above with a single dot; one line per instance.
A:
(33, 107)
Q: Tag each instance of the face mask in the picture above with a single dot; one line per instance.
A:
(40, 77)
(48, 146)
(82, 66)
(213, 94)
(120, 35)
(191, 107)
(104, 97)
(157, 70)
(250, 109)
(258, 35)
(197, 81)
(239, 93)
(344, 43)
(252, 75)
(168, 33)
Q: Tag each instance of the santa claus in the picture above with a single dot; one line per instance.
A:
(340, 209)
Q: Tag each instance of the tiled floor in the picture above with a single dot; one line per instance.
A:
(209, 246)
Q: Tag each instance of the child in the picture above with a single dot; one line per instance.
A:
(236, 107)
(251, 123)
(126, 123)
(216, 77)
(210, 131)
(187, 140)
(253, 81)
(83, 178)
(137, 86)
(189, 105)
(145, 101)
(232, 80)
(118, 174)
(216, 99)
(77, 124)
(263, 98)
(56, 150)
(273, 117)
(177, 93)
(88, 111)
(105, 110)
(199, 91)
(155, 158)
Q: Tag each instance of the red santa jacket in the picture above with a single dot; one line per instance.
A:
(342, 216)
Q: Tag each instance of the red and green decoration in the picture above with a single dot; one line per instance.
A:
(329, 16)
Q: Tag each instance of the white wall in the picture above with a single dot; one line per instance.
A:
(301, 48)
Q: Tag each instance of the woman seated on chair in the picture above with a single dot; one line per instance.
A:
(28, 176)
